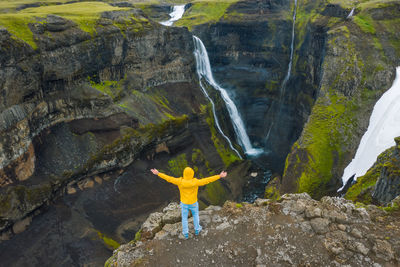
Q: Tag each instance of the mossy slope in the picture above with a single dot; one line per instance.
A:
(83, 14)
(358, 67)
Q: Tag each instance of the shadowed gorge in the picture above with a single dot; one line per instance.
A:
(93, 94)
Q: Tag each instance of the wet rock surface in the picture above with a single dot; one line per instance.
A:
(273, 233)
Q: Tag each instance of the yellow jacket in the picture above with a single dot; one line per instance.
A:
(188, 186)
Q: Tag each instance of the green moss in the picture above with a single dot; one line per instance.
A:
(109, 262)
(226, 154)
(132, 24)
(365, 22)
(392, 208)
(372, 4)
(85, 15)
(7, 6)
(108, 241)
(361, 191)
(110, 88)
(202, 12)
(134, 140)
(198, 158)
(238, 205)
(177, 165)
(271, 192)
(138, 236)
(216, 193)
(329, 123)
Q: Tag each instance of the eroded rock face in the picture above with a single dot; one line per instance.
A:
(350, 84)
(381, 183)
(250, 55)
(274, 233)
(55, 88)
(59, 85)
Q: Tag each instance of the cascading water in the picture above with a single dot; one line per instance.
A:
(283, 87)
(204, 72)
(384, 126)
(287, 76)
(175, 15)
(351, 13)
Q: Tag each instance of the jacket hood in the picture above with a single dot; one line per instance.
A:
(188, 173)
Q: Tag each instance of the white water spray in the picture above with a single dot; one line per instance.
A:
(175, 15)
(351, 13)
(204, 72)
(384, 126)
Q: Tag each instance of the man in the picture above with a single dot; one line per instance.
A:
(188, 188)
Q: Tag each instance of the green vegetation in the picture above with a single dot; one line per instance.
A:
(392, 208)
(110, 88)
(361, 191)
(370, 4)
(108, 241)
(84, 14)
(177, 165)
(365, 22)
(7, 6)
(216, 193)
(271, 192)
(238, 205)
(322, 139)
(138, 236)
(198, 158)
(227, 155)
(203, 11)
(133, 140)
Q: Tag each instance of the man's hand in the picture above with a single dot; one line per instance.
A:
(223, 174)
(155, 171)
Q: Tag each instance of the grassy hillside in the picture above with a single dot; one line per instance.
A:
(84, 14)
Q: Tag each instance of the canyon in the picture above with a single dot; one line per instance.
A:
(277, 91)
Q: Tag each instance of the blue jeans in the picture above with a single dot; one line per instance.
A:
(194, 208)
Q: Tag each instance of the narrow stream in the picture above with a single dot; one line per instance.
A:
(175, 15)
(283, 87)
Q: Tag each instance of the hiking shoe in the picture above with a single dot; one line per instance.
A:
(197, 232)
(186, 236)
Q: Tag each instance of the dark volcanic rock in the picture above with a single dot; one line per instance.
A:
(250, 57)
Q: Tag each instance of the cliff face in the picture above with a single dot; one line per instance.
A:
(340, 67)
(249, 47)
(381, 184)
(86, 110)
(61, 81)
(358, 67)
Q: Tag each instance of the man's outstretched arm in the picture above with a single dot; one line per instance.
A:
(170, 179)
(211, 179)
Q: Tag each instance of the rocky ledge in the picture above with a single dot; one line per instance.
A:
(294, 231)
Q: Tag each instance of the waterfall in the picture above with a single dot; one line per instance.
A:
(384, 126)
(283, 87)
(175, 15)
(286, 79)
(351, 13)
(204, 72)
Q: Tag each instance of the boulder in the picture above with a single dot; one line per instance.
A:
(320, 225)
(172, 213)
(152, 225)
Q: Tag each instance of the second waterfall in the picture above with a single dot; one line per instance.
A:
(204, 72)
